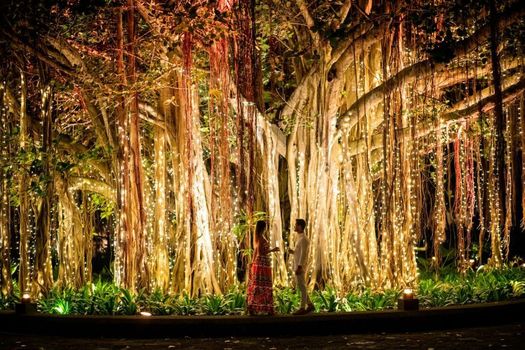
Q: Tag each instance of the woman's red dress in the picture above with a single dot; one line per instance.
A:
(259, 292)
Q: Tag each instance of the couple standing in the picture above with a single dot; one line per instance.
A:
(259, 292)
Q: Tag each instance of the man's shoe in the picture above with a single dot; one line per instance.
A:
(309, 308)
(299, 312)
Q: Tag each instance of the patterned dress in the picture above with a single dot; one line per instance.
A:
(259, 292)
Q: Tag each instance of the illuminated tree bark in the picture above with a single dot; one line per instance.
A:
(24, 277)
(70, 236)
(160, 271)
(6, 283)
(132, 270)
(43, 269)
(497, 168)
(221, 194)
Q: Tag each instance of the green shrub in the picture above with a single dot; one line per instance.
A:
(214, 305)
(368, 300)
(186, 305)
(518, 288)
(61, 307)
(127, 303)
(105, 298)
(326, 300)
(236, 301)
(158, 303)
(436, 290)
(286, 300)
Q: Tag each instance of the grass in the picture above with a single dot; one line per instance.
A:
(435, 290)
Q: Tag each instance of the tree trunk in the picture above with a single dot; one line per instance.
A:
(24, 276)
(160, 271)
(131, 270)
(43, 269)
(6, 283)
(499, 142)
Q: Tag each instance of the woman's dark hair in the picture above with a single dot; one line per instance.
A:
(260, 226)
(301, 222)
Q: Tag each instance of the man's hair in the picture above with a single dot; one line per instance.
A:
(301, 222)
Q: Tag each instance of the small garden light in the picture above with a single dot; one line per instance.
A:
(408, 293)
(408, 302)
(25, 306)
(145, 313)
(26, 298)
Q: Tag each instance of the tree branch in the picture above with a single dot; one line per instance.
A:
(456, 113)
(343, 13)
(67, 144)
(420, 69)
(306, 14)
(16, 43)
(92, 185)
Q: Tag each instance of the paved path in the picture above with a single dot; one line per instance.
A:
(495, 337)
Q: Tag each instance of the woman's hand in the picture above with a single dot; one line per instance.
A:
(276, 249)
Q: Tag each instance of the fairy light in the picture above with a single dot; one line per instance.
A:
(508, 185)
(493, 198)
(460, 200)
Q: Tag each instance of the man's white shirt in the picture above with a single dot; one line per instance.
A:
(301, 252)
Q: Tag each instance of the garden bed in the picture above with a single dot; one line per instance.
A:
(105, 298)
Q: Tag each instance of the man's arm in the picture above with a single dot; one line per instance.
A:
(300, 258)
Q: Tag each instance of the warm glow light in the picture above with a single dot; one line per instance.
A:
(26, 298)
(408, 293)
(145, 313)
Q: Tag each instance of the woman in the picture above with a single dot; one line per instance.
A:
(259, 293)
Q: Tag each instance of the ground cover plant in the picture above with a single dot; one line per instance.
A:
(435, 290)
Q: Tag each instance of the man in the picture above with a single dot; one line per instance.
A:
(300, 264)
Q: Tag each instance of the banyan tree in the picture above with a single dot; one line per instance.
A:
(395, 128)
